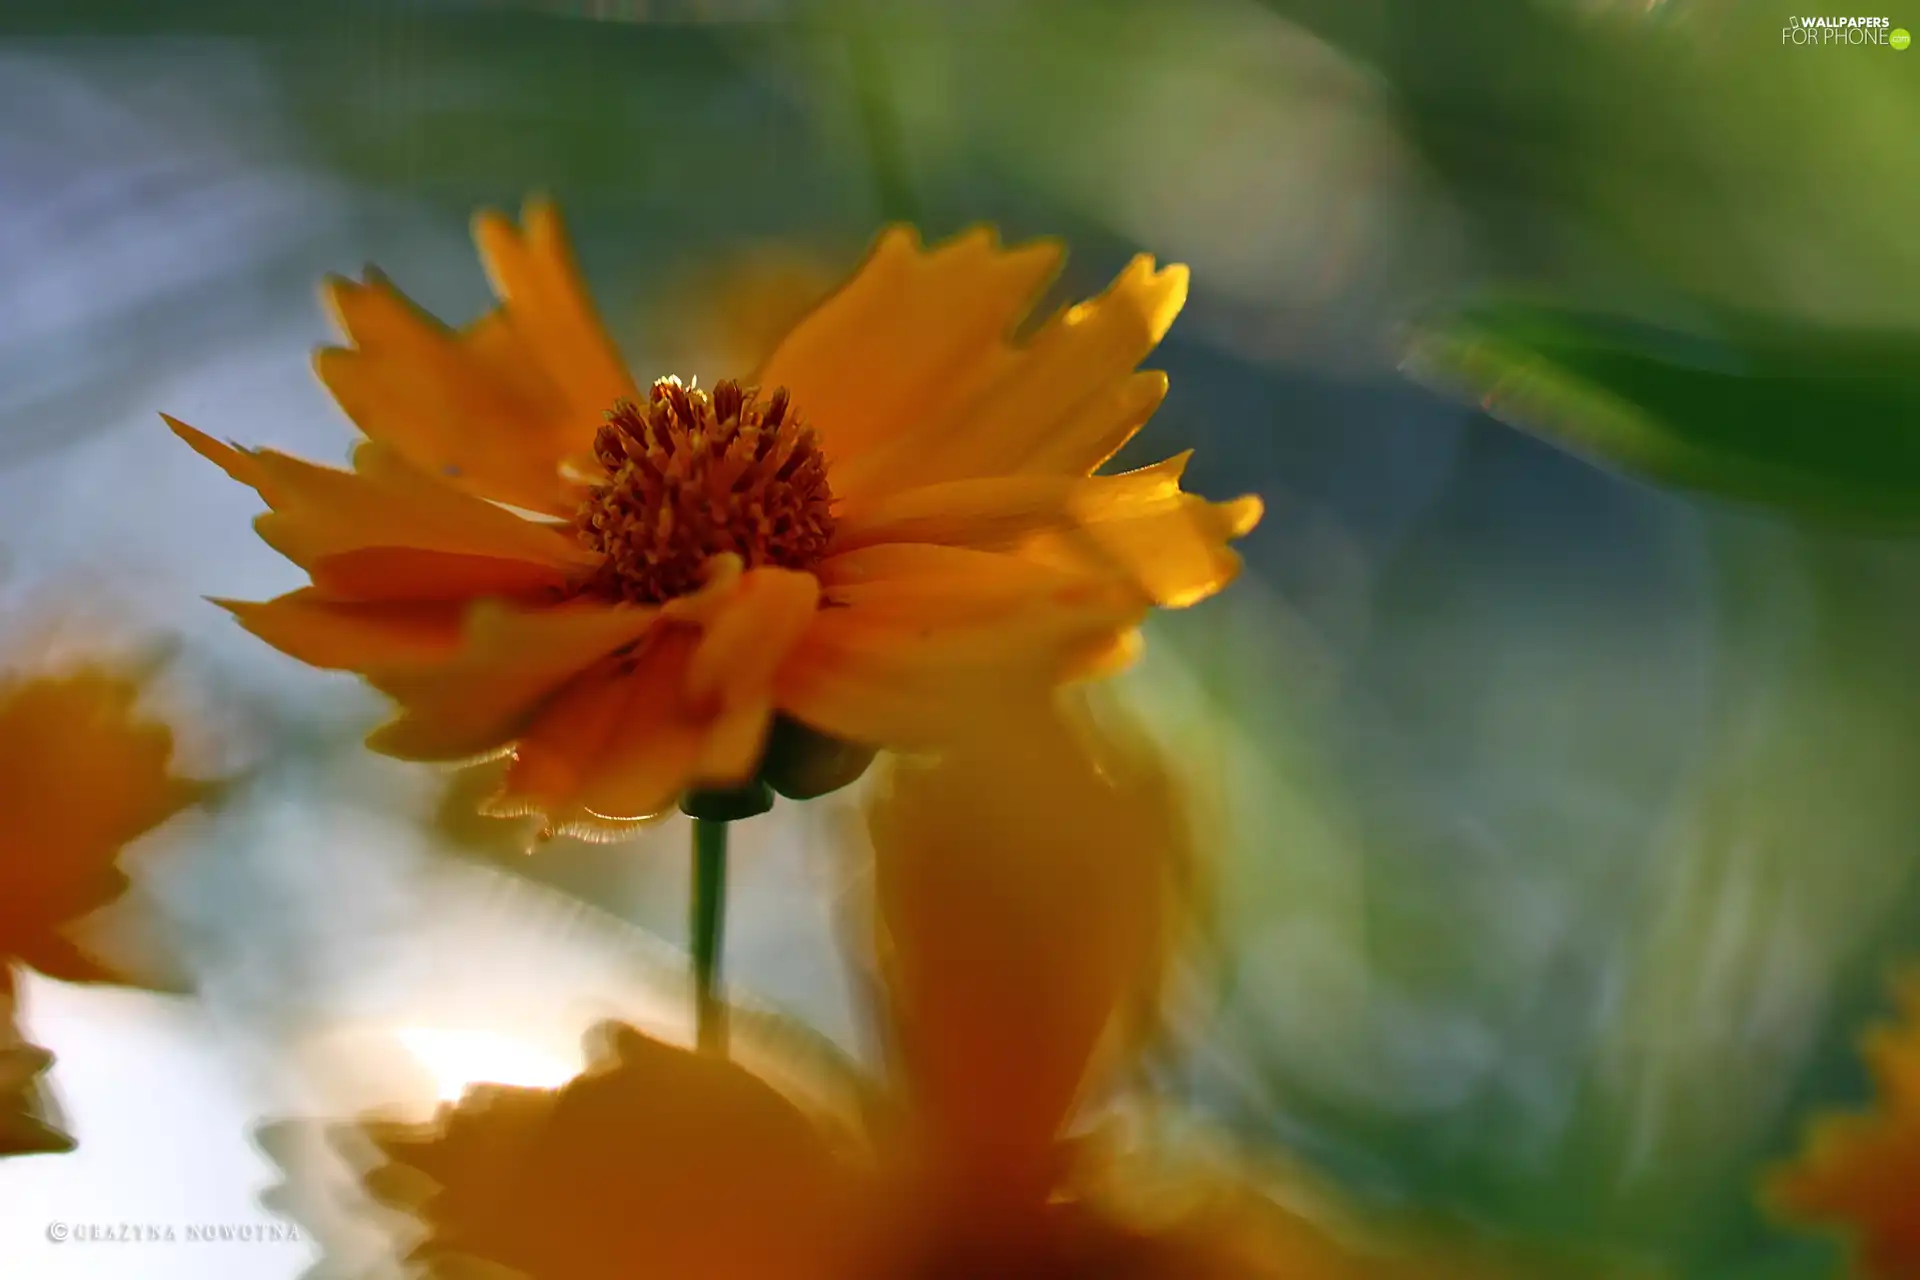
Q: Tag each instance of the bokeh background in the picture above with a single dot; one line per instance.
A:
(1568, 770)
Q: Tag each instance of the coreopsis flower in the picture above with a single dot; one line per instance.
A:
(1860, 1174)
(628, 586)
(1023, 896)
(82, 774)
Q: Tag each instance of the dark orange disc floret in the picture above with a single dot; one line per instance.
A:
(697, 474)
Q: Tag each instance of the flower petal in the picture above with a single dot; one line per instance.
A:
(653, 753)
(733, 667)
(735, 741)
(555, 753)
(690, 705)
(917, 639)
(624, 740)
(1174, 549)
(1137, 526)
(991, 513)
(656, 1162)
(385, 501)
(1024, 884)
(351, 635)
(470, 407)
(930, 586)
(1892, 1051)
(409, 573)
(1858, 1172)
(508, 662)
(723, 574)
(498, 407)
(741, 649)
(619, 729)
(1066, 400)
(82, 773)
(545, 305)
(913, 332)
(1098, 429)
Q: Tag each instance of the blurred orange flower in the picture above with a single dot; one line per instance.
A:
(1024, 891)
(82, 773)
(894, 518)
(1861, 1173)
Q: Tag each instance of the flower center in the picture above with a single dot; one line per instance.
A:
(697, 474)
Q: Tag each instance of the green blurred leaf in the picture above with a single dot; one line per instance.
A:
(1812, 420)
(1628, 150)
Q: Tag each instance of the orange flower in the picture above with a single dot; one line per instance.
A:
(1861, 1173)
(82, 774)
(1023, 889)
(894, 519)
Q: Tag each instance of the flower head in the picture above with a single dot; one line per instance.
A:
(894, 519)
(1023, 895)
(1860, 1174)
(696, 475)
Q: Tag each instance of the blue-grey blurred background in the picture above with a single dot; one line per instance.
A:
(1571, 819)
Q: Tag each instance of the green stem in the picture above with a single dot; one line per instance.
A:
(708, 928)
